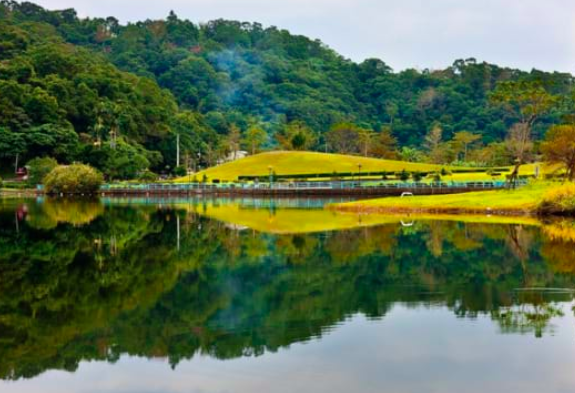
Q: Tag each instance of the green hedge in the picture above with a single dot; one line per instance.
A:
(297, 176)
(73, 179)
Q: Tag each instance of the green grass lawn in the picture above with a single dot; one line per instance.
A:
(523, 200)
(295, 162)
(289, 163)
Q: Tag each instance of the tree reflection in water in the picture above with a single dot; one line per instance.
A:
(85, 281)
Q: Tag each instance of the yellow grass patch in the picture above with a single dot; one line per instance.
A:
(302, 162)
(294, 162)
(524, 200)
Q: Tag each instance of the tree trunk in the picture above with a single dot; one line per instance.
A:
(521, 154)
(514, 175)
(571, 168)
(178, 150)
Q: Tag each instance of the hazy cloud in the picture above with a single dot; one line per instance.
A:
(404, 33)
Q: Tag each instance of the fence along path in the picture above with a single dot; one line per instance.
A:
(306, 188)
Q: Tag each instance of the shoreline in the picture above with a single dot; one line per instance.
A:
(362, 209)
(14, 193)
(523, 201)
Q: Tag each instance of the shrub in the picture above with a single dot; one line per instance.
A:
(38, 169)
(559, 200)
(180, 171)
(148, 177)
(404, 176)
(417, 177)
(73, 179)
(14, 185)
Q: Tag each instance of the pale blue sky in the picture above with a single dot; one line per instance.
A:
(403, 33)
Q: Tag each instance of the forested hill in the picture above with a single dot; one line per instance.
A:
(110, 94)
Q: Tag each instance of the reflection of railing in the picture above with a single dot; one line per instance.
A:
(296, 186)
(243, 202)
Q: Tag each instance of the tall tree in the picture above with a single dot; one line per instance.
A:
(343, 138)
(366, 139)
(519, 144)
(233, 140)
(296, 136)
(559, 148)
(391, 110)
(11, 145)
(385, 145)
(462, 140)
(436, 150)
(528, 101)
(254, 139)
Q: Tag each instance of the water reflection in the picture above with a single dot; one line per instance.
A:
(94, 280)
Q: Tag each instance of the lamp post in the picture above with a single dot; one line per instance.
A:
(178, 149)
(270, 169)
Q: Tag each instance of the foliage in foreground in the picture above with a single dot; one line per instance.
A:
(73, 179)
(559, 201)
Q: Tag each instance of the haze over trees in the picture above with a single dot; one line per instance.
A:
(119, 97)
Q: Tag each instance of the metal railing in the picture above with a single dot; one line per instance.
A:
(327, 185)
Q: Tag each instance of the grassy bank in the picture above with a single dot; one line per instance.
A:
(303, 162)
(11, 192)
(525, 200)
(296, 162)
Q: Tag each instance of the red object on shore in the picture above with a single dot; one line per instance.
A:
(21, 174)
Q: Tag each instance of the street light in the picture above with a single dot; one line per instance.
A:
(199, 161)
(270, 169)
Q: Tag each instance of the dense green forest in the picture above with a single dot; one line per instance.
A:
(115, 96)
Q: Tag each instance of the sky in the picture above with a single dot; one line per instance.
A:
(419, 34)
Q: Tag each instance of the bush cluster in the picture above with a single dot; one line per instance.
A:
(148, 177)
(73, 179)
(559, 201)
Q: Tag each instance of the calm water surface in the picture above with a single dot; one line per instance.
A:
(151, 295)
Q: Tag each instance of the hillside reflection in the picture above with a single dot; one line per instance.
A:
(93, 281)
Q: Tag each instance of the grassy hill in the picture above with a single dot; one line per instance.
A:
(293, 162)
(299, 162)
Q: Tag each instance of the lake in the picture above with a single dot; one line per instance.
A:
(247, 295)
